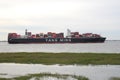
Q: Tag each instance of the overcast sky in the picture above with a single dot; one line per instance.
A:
(96, 16)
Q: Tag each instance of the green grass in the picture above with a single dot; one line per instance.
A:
(60, 58)
(5, 79)
(37, 76)
(115, 78)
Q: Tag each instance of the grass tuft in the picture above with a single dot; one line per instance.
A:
(115, 78)
(41, 75)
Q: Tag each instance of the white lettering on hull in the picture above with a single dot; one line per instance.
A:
(58, 40)
(65, 40)
(51, 40)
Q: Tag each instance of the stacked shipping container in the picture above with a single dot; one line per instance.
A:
(51, 35)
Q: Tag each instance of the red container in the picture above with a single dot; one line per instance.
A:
(12, 35)
(33, 36)
(37, 35)
(45, 35)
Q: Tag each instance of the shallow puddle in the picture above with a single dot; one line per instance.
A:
(93, 72)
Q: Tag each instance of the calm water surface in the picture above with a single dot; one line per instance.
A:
(97, 72)
(107, 47)
(93, 72)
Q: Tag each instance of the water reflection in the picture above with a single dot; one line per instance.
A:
(53, 78)
(96, 72)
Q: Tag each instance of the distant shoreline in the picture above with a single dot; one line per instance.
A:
(3, 41)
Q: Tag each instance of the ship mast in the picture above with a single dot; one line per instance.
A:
(25, 31)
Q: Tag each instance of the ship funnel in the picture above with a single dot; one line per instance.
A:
(68, 33)
(25, 31)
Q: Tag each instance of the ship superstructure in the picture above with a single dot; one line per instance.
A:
(52, 37)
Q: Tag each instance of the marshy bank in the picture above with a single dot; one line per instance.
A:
(92, 72)
(71, 66)
(60, 58)
(47, 76)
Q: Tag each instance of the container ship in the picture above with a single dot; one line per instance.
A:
(51, 37)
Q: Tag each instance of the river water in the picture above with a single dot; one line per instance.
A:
(93, 72)
(107, 47)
